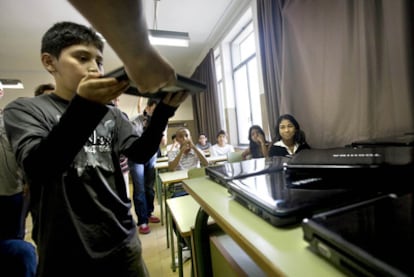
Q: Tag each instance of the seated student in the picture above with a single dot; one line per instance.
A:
(188, 155)
(174, 145)
(289, 139)
(203, 143)
(221, 148)
(258, 145)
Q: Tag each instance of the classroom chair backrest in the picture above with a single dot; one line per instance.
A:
(196, 172)
(234, 156)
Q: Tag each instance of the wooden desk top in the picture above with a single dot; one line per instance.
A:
(161, 165)
(162, 162)
(173, 176)
(278, 251)
(184, 210)
(162, 159)
(215, 159)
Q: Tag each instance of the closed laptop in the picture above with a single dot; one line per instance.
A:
(371, 238)
(380, 168)
(225, 172)
(271, 197)
(402, 140)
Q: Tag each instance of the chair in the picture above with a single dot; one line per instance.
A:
(196, 172)
(178, 190)
(182, 210)
(234, 156)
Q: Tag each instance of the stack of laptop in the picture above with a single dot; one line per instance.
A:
(367, 238)
(354, 203)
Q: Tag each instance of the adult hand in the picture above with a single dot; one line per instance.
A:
(150, 71)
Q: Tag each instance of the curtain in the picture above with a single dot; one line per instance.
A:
(342, 68)
(270, 30)
(205, 105)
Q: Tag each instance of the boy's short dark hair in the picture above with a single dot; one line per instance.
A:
(221, 132)
(41, 89)
(152, 101)
(64, 34)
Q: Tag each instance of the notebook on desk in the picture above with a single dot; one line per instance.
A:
(225, 172)
(270, 197)
(372, 238)
(358, 168)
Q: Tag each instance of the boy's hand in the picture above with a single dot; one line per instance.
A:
(100, 90)
(174, 99)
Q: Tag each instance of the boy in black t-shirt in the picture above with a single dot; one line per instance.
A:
(83, 223)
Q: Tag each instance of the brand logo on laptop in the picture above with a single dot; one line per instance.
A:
(356, 155)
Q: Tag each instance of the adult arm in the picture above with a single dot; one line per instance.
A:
(123, 24)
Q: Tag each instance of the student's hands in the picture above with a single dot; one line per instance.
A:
(187, 145)
(174, 99)
(100, 90)
(260, 139)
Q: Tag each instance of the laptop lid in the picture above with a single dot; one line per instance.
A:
(371, 238)
(348, 167)
(269, 196)
(403, 140)
(182, 83)
(225, 172)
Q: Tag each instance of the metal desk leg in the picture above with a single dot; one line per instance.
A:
(166, 222)
(158, 186)
(173, 265)
(202, 245)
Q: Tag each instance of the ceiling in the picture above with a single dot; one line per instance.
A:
(23, 23)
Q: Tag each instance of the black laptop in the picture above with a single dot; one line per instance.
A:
(225, 172)
(372, 238)
(406, 139)
(270, 197)
(182, 83)
(380, 168)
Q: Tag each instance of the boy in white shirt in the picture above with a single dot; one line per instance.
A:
(221, 148)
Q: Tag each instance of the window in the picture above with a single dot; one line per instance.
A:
(238, 80)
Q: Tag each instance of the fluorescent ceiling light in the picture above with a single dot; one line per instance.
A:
(169, 38)
(11, 84)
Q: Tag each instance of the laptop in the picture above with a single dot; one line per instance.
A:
(183, 83)
(347, 167)
(225, 172)
(270, 197)
(404, 140)
(371, 238)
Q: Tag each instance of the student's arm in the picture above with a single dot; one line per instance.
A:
(200, 155)
(246, 153)
(34, 142)
(263, 145)
(172, 165)
(123, 24)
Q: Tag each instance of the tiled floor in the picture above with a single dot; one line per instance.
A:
(156, 254)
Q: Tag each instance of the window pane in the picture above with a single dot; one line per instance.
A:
(254, 88)
(242, 98)
(247, 47)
